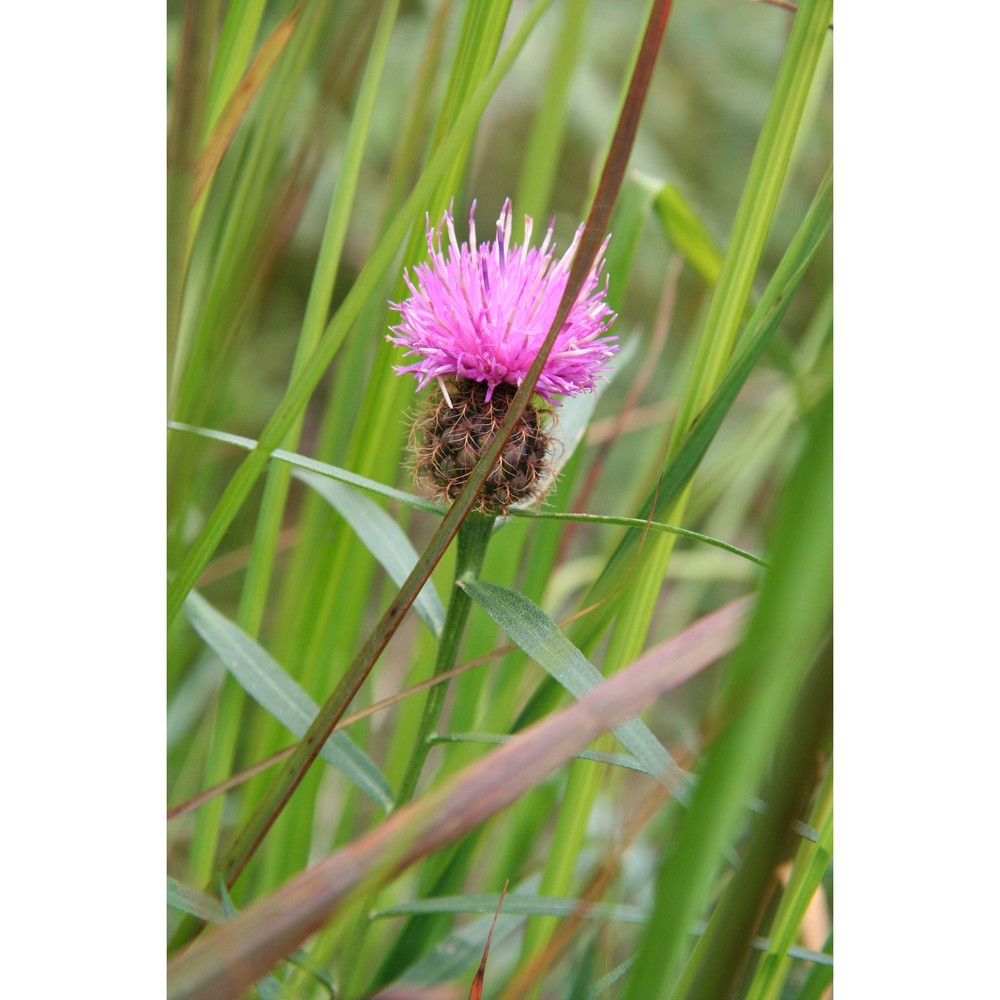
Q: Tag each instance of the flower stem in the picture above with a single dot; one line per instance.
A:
(473, 537)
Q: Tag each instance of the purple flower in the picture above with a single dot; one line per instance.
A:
(481, 312)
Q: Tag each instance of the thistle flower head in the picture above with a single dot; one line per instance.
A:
(481, 312)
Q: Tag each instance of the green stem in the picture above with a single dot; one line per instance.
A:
(473, 537)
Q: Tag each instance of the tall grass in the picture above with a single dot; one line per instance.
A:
(483, 694)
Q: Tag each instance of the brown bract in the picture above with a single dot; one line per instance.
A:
(451, 433)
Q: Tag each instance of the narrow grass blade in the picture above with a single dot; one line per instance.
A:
(384, 538)
(321, 468)
(218, 142)
(811, 864)
(611, 978)
(539, 636)
(540, 164)
(496, 739)
(688, 233)
(521, 905)
(268, 684)
(222, 963)
(190, 900)
(636, 522)
(187, 118)
(239, 30)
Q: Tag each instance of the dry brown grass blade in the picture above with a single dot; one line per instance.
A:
(227, 960)
(237, 105)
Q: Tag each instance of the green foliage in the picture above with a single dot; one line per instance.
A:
(686, 539)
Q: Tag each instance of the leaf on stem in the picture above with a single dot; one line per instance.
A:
(270, 686)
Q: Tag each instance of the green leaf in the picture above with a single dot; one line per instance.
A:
(638, 522)
(384, 538)
(688, 233)
(322, 468)
(190, 900)
(618, 760)
(611, 978)
(494, 739)
(267, 683)
(552, 906)
(539, 636)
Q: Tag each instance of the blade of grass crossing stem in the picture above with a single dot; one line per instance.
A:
(298, 395)
(194, 902)
(818, 982)
(762, 683)
(320, 469)
(593, 235)
(729, 300)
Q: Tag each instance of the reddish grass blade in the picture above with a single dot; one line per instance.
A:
(476, 990)
(237, 106)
